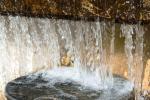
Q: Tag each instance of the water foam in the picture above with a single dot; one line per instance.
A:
(65, 74)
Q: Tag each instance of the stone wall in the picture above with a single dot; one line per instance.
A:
(119, 10)
(146, 10)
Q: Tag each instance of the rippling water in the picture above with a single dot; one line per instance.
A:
(66, 84)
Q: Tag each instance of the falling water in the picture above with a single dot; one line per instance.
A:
(29, 45)
(134, 52)
(128, 32)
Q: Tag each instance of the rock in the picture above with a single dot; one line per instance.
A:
(2, 97)
(146, 3)
(145, 12)
(146, 79)
(119, 66)
(66, 61)
(130, 11)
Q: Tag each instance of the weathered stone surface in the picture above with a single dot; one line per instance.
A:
(119, 10)
(146, 10)
(146, 79)
(66, 61)
(2, 97)
(146, 82)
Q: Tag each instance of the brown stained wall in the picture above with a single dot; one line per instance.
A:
(146, 10)
(119, 10)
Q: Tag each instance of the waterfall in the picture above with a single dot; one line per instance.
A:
(134, 52)
(29, 45)
(128, 32)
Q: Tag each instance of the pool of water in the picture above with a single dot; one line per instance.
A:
(46, 86)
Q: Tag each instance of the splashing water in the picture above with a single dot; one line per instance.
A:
(28, 45)
(134, 53)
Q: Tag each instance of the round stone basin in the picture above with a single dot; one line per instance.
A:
(40, 88)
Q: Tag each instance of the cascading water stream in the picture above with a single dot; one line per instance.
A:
(134, 54)
(29, 45)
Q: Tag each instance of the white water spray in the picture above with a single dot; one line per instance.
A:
(31, 44)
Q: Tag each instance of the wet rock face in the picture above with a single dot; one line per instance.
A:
(146, 10)
(146, 3)
(146, 79)
(119, 10)
(66, 61)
